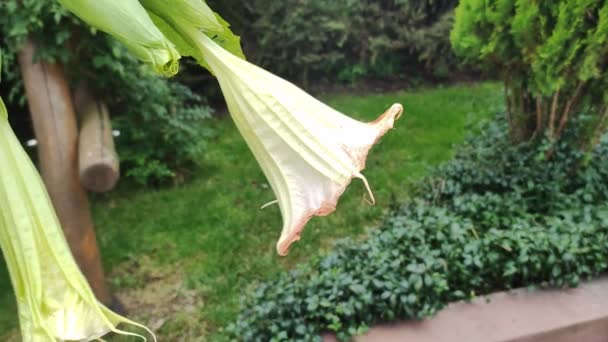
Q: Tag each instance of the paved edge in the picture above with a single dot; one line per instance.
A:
(553, 315)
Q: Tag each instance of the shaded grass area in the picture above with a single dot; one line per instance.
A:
(212, 227)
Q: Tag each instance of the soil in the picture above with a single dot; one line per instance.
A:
(158, 297)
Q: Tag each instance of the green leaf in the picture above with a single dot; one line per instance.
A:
(168, 17)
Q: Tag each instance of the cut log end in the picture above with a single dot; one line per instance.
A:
(99, 177)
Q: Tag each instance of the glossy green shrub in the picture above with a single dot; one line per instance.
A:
(572, 178)
(493, 218)
(162, 123)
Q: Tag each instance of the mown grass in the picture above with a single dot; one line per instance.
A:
(212, 228)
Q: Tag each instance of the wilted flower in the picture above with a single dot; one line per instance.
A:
(129, 22)
(54, 300)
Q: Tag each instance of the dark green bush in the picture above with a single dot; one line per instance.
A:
(161, 122)
(544, 186)
(311, 40)
(496, 217)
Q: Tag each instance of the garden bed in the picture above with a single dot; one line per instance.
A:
(496, 217)
(211, 226)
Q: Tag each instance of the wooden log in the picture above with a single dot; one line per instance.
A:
(98, 165)
(54, 120)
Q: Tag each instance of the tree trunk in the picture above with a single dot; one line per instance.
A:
(54, 121)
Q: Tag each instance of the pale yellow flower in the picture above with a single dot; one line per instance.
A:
(308, 151)
(54, 299)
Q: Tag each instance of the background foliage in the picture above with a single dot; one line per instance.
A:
(552, 56)
(346, 40)
(495, 217)
(161, 122)
(310, 42)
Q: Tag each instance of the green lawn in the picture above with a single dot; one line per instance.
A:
(212, 230)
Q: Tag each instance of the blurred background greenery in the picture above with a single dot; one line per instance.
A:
(182, 237)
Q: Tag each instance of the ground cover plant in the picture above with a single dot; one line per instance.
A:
(495, 217)
(209, 228)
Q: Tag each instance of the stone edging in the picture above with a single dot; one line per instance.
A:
(567, 315)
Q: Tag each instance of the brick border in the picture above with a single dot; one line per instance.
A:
(566, 315)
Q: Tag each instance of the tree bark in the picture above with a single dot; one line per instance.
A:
(569, 105)
(54, 121)
(553, 114)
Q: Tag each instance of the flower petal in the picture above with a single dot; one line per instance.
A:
(308, 151)
(54, 299)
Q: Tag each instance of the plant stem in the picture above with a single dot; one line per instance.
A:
(553, 114)
(566, 116)
(539, 117)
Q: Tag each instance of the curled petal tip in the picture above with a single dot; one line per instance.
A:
(372, 199)
(390, 115)
(283, 246)
(396, 110)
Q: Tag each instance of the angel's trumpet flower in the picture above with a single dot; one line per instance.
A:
(54, 299)
(308, 151)
(128, 21)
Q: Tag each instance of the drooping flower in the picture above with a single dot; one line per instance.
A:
(308, 151)
(129, 22)
(54, 299)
